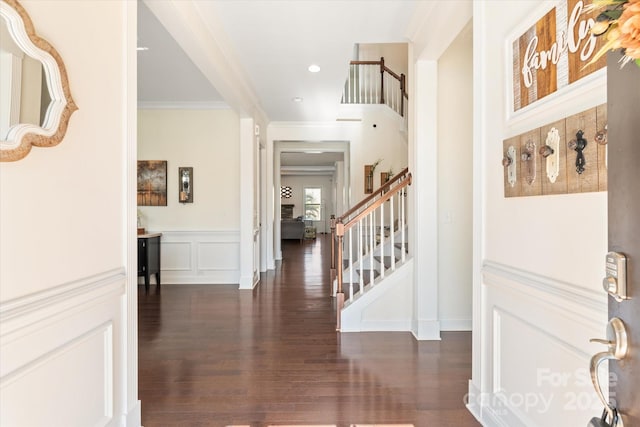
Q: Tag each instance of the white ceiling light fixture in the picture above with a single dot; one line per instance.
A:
(296, 99)
(142, 48)
(314, 68)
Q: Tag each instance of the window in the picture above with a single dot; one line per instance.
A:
(312, 203)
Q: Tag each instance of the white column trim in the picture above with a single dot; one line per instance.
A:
(247, 172)
(480, 340)
(425, 199)
(131, 404)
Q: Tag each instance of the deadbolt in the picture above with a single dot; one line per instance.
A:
(615, 282)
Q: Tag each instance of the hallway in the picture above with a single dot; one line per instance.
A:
(216, 356)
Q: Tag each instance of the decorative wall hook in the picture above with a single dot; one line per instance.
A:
(551, 152)
(579, 144)
(601, 136)
(545, 151)
(528, 158)
(508, 161)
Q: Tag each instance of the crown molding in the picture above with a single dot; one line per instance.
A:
(183, 105)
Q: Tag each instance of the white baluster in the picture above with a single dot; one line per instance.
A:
(403, 219)
(360, 275)
(371, 242)
(382, 266)
(350, 264)
(393, 234)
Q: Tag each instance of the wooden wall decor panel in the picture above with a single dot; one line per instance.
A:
(534, 188)
(601, 123)
(560, 185)
(588, 180)
(544, 62)
(546, 77)
(510, 191)
(594, 176)
(589, 45)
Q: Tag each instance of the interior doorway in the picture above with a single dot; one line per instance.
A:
(302, 171)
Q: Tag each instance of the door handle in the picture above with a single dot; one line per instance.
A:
(617, 349)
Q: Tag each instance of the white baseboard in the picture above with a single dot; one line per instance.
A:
(247, 283)
(456, 324)
(133, 418)
(426, 330)
(381, 325)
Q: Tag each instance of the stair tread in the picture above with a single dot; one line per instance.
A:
(387, 260)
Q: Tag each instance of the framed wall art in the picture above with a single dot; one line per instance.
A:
(550, 53)
(152, 183)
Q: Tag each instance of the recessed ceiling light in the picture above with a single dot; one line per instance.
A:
(296, 99)
(314, 68)
(142, 48)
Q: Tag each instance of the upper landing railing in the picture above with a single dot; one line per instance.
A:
(371, 82)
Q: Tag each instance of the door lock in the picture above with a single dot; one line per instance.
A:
(615, 282)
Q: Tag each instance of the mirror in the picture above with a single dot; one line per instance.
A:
(35, 101)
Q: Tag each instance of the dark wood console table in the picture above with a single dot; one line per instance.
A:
(149, 257)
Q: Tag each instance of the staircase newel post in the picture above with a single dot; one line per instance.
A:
(339, 293)
(402, 91)
(382, 80)
(333, 252)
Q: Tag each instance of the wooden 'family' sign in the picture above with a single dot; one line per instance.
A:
(554, 52)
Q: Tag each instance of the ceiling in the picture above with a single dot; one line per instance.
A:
(166, 75)
(274, 41)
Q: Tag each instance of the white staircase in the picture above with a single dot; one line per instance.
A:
(369, 245)
(357, 276)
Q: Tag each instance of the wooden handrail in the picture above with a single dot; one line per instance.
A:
(397, 77)
(372, 196)
(364, 63)
(377, 203)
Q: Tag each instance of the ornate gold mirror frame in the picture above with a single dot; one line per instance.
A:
(18, 137)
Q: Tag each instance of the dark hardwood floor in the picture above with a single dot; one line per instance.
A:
(211, 355)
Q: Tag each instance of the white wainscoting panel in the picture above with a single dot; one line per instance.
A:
(219, 256)
(61, 355)
(200, 257)
(537, 355)
(176, 256)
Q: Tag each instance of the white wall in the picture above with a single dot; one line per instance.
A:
(386, 141)
(394, 54)
(64, 228)
(367, 144)
(298, 184)
(208, 141)
(537, 294)
(196, 236)
(455, 166)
